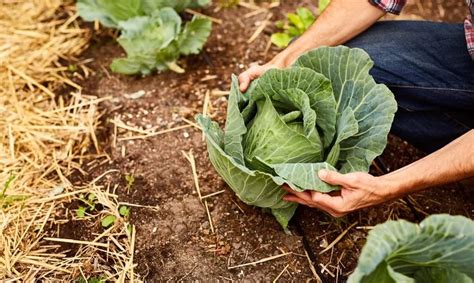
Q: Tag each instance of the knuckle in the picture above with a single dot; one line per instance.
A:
(335, 214)
(341, 210)
(339, 213)
(354, 178)
(329, 175)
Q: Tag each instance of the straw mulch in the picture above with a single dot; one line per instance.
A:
(46, 132)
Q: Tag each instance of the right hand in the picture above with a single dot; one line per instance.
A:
(253, 72)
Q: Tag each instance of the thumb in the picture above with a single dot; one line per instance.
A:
(333, 177)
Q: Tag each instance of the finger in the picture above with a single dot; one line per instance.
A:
(334, 178)
(296, 199)
(327, 201)
(244, 81)
(302, 195)
(253, 64)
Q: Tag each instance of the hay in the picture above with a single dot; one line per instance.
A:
(47, 131)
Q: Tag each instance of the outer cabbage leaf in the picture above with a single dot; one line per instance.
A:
(194, 35)
(372, 104)
(439, 249)
(235, 127)
(252, 187)
(130, 66)
(441, 275)
(90, 10)
(109, 12)
(121, 10)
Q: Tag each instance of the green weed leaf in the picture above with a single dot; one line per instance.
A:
(108, 220)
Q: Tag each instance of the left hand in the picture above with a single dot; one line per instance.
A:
(358, 190)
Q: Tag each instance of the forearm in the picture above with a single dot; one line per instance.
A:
(453, 162)
(341, 21)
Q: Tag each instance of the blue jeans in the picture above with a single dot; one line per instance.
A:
(430, 72)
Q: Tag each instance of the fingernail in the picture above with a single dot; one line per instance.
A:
(322, 174)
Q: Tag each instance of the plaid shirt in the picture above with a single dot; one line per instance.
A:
(396, 6)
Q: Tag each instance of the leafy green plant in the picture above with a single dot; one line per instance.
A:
(295, 25)
(124, 211)
(88, 204)
(152, 33)
(110, 219)
(324, 112)
(130, 179)
(439, 249)
(322, 5)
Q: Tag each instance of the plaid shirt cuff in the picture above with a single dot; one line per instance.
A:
(469, 30)
(389, 6)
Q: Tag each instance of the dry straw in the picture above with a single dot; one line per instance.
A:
(46, 132)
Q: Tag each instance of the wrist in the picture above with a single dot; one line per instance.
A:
(396, 186)
(279, 61)
(286, 57)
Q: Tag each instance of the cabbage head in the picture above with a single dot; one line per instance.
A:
(324, 112)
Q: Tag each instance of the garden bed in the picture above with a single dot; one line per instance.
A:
(176, 236)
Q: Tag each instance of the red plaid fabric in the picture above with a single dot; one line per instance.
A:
(390, 6)
(396, 6)
(469, 28)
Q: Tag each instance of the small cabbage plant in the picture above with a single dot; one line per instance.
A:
(439, 249)
(324, 112)
(152, 32)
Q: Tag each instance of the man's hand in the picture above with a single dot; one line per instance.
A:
(254, 72)
(358, 190)
(452, 163)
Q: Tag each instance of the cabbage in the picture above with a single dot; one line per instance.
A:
(439, 249)
(152, 33)
(324, 112)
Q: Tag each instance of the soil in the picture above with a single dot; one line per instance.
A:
(176, 242)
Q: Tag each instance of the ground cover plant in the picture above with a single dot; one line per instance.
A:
(439, 249)
(295, 24)
(151, 32)
(325, 112)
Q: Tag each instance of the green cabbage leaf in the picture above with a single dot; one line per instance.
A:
(324, 112)
(438, 250)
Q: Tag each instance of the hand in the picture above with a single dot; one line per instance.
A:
(358, 190)
(254, 72)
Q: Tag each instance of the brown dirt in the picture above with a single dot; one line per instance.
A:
(176, 242)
